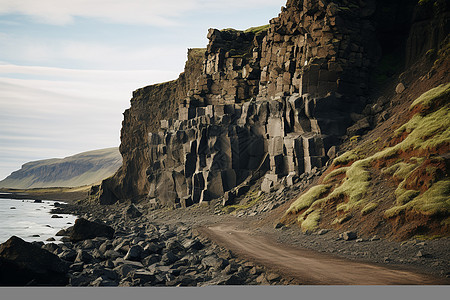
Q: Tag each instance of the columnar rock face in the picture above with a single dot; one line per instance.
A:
(269, 101)
(231, 69)
(148, 106)
(318, 47)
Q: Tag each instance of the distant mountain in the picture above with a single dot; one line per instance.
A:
(77, 170)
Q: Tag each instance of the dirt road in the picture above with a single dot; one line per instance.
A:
(310, 267)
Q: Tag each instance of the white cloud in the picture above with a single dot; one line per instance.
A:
(98, 84)
(151, 12)
(103, 55)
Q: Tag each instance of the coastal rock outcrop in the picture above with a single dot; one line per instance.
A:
(22, 263)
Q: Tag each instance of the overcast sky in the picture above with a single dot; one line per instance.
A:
(68, 67)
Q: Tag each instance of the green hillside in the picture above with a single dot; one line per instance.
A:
(81, 169)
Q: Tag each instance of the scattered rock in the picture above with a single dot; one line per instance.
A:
(84, 257)
(169, 258)
(62, 232)
(400, 88)
(279, 225)
(57, 217)
(68, 255)
(111, 254)
(134, 253)
(87, 244)
(322, 231)
(374, 238)
(348, 235)
(271, 277)
(132, 212)
(422, 254)
(151, 259)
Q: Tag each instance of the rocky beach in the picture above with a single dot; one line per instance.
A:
(138, 245)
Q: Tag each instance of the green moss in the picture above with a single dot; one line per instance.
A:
(308, 198)
(427, 99)
(405, 169)
(345, 158)
(335, 173)
(311, 223)
(404, 196)
(436, 200)
(423, 2)
(341, 220)
(370, 207)
(426, 132)
(427, 238)
(251, 199)
(355, 186)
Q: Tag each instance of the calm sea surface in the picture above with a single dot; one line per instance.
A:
(30, 221)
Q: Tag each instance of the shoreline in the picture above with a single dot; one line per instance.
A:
(67, 195)
(185, 225)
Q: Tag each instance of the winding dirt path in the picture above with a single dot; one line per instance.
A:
(307, 266)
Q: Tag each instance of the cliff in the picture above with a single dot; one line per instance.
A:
(81, 169)
(271, 103)
(290, 79)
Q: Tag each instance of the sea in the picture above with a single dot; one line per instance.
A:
(31, 221)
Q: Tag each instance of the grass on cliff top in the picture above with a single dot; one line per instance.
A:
(258, 29)
(426, 131)
(255, 30)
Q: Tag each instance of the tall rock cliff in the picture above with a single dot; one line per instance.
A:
(269, 101)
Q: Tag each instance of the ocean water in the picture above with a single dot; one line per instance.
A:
(30, 221)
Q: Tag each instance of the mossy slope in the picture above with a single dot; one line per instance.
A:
(414, 164)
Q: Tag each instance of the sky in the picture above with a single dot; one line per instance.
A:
(68, 67)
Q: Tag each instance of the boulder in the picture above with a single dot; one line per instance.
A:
(359, 127)
(68, 255)
(169, 258)
(84, 229)
(348, 235)
(132, 212)
(213, 261)
(22, 263)
(62, 232)
(193, 244)
(400, 88)
(134, 253)
(84, 257)
(151, 259)
(228, 198)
